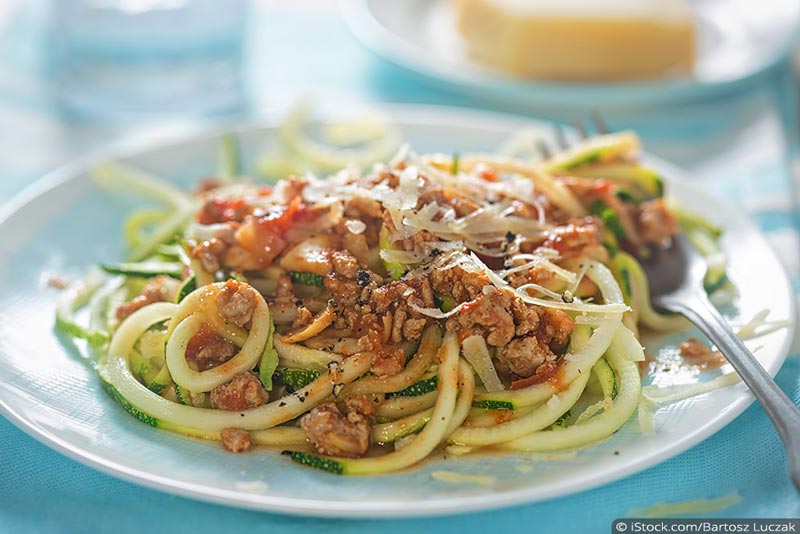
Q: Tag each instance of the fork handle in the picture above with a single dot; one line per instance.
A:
(784, 413)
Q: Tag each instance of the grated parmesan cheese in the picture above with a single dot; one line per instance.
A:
(690, 507)
(355, 226)
(459, 478)
(252, 486)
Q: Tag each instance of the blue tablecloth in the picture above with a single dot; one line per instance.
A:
(740, 144)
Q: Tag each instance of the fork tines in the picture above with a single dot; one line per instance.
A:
(561, 140)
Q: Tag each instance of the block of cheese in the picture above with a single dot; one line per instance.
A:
(580, 40)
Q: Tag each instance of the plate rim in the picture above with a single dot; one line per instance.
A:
(372, 35)
(432, 115)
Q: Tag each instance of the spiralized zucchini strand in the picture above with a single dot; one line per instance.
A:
(329, 158)
(431, 340)
(163, 232)
(598, 427)
(397, 407)
(114, 176)
(466, 394)
(482, 418)
(295, 355)
(187, 322)
(168, 414)
(576, 363)
(136, 221)
(390, 432)
(279, 436)
(556, 192)
(433, 433)
(74, 298)
(542, 417)
(244, 360)
(641, 296)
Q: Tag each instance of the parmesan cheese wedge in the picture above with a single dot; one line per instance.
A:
(577, 40)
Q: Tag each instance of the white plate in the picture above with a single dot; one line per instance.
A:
(64, 224)
(737, 40)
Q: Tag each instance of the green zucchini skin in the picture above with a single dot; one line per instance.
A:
(608, 380)
(188, 285)
(562, 421)
(317, 462)
(426, 385)
(299, 378)
(307, 279)
(145, 269)
(493, 405)
(127, 406)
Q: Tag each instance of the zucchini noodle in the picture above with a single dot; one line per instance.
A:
(555, 191)
(483, 418)
(169, 414)
(327, 157)
(596, 428)
(134, 231)
(430, 437)
(163, 232)
(405, 426)
(328, 315)
(625, 263)
(400, 406)
(575, 364)
(415, 368)
(304, 357)
(401, 428)
(118, 177)
(196, 381)
(543, 416)
(183, 327)
(75, 297)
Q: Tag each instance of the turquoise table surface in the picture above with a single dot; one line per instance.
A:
(742, 145)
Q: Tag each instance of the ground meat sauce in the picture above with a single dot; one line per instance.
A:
(381, 305)
(340, 432)
(207, 350)
(210, 254)
(244, 391)
(236, 302)
(382, 313)
(696, 352)
(235, 439)
(159, 289)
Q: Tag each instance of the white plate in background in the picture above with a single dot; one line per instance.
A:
(738, 39)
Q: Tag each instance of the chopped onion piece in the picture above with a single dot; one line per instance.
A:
(436, 313)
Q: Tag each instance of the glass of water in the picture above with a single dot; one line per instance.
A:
(123, 60)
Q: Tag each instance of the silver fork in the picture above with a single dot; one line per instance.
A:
(675, 276)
